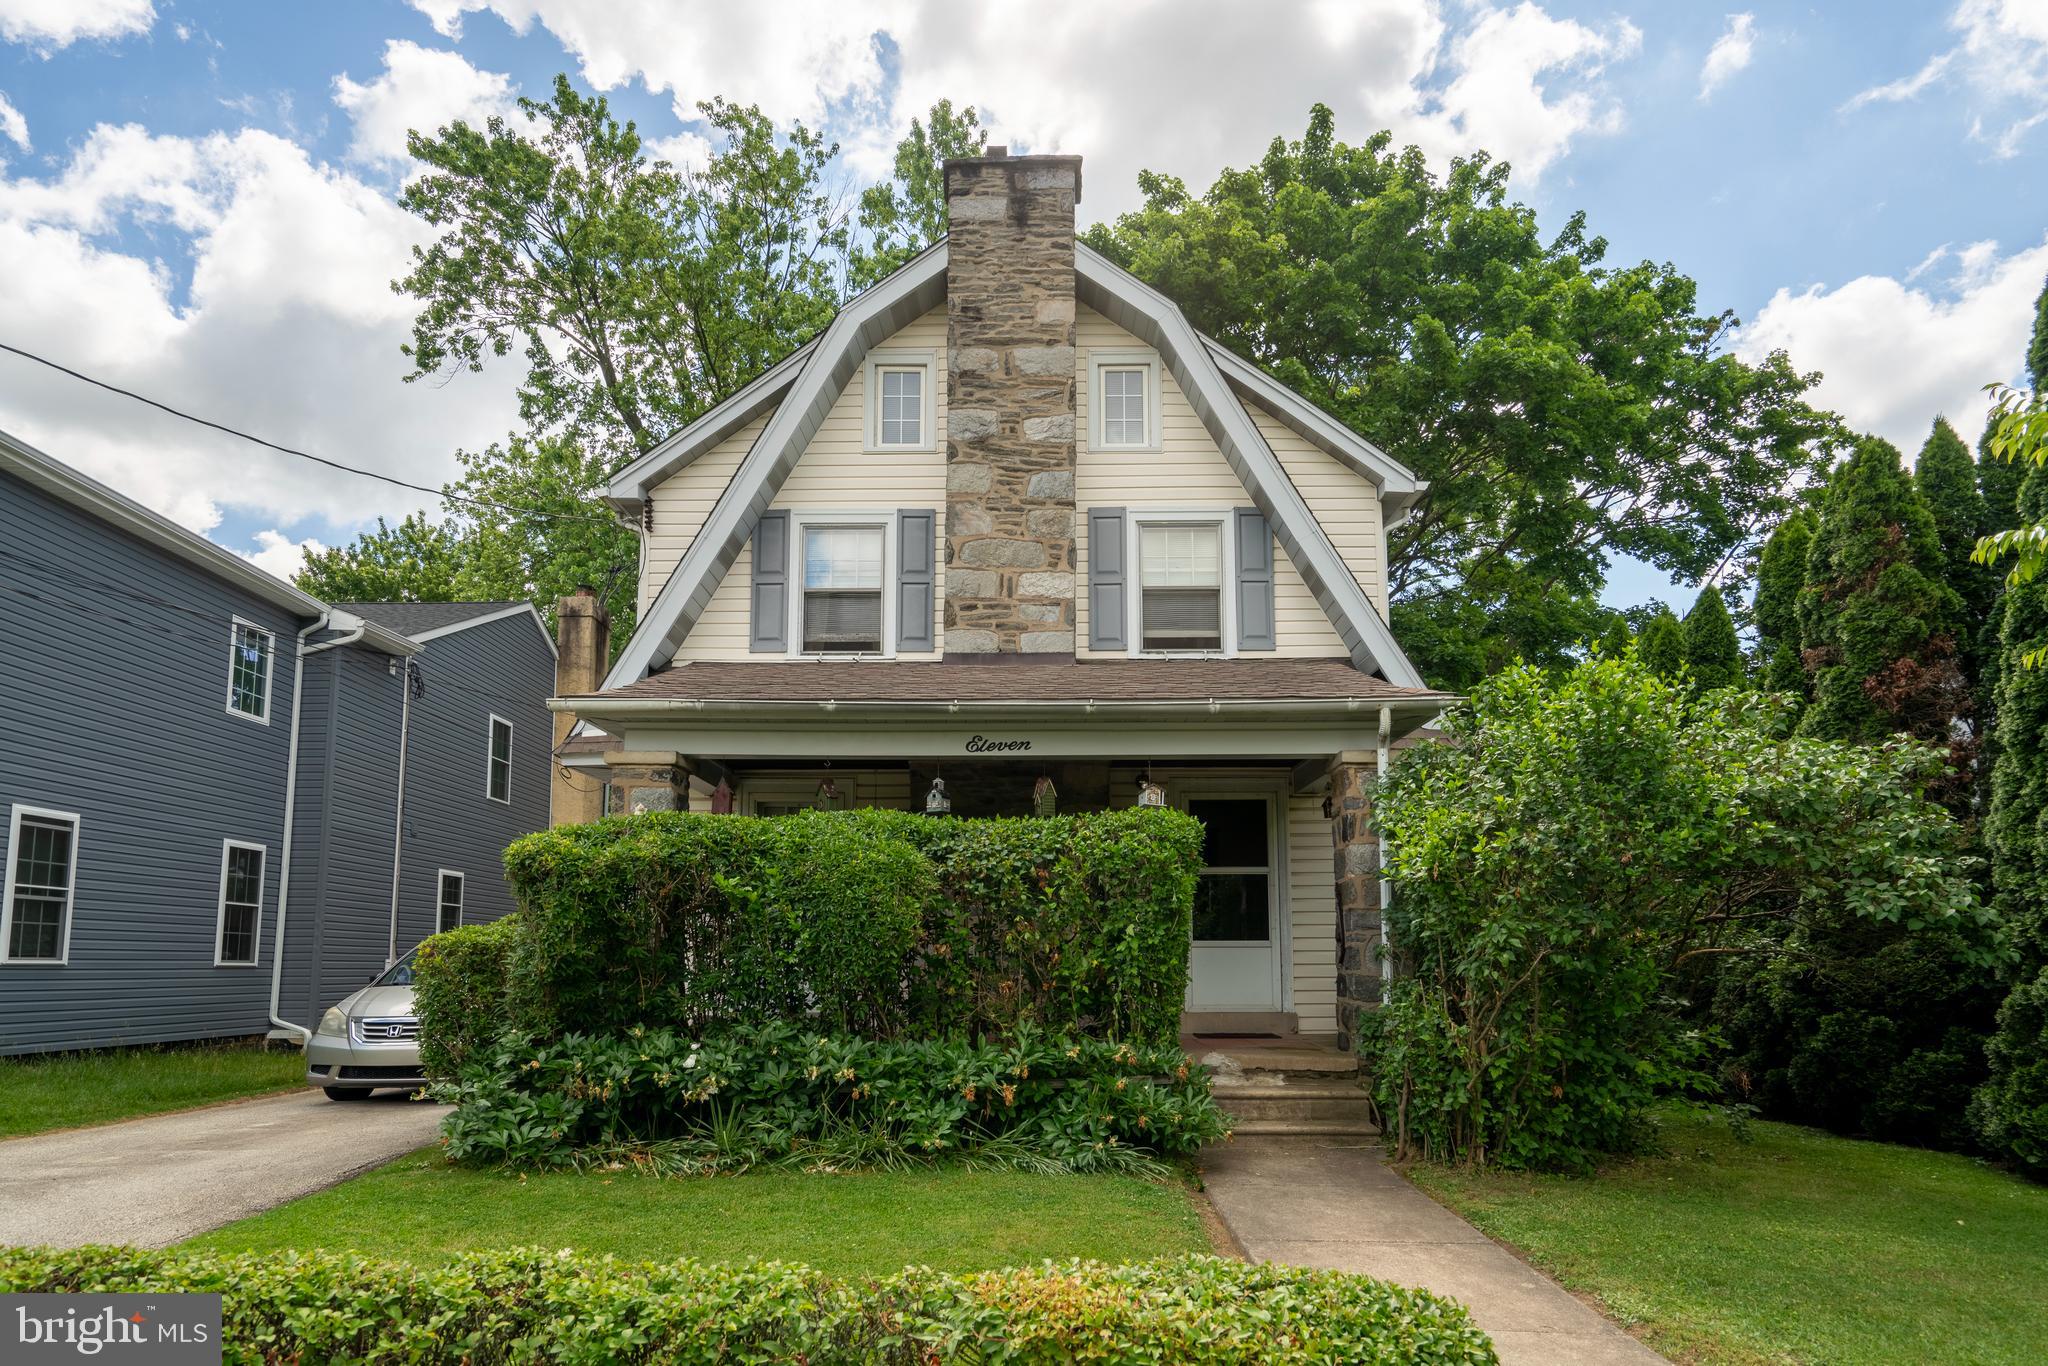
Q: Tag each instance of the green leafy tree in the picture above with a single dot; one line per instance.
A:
(1713, 656)
(416, 561)
(1661, 644)
(1565, 410)
(1573, 859)
(1781, 573)
(900, 218)
(1877, 620)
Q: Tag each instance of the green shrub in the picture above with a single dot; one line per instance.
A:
(872, 923)
(2010, 1111)
(733, 1100)
(525, 1305)
(460, 981)
(1574, 861)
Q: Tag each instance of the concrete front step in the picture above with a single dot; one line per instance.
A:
(1304, 1128)
(1325, 1106)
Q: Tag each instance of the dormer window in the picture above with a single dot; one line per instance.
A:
(1180, 586)
(842, 588)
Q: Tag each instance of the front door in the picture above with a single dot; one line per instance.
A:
(1235, 961)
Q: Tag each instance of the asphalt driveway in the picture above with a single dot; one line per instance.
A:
(161, 1180)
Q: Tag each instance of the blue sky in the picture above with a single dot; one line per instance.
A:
(196, 199)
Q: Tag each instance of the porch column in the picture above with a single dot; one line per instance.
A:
(1357, 860)
(649, 780)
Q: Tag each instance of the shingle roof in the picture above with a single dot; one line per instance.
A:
(1093, 680)
(411, 618)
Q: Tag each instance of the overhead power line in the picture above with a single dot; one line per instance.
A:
(513, 509)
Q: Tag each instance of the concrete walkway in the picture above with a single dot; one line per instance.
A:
(161, 1180)
(1333, 1203)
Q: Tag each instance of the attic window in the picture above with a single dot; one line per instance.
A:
(1124, 406)
(900, 408)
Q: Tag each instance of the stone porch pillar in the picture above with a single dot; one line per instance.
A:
(1357, 868)
(649, 780)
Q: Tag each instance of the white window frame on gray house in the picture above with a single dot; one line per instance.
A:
(15, 889)
(491, 760)
(442, 876)
(877, 415)
(228, 847)
(235, 647)
(1138, 520)
(801, 524)
(1144, 364)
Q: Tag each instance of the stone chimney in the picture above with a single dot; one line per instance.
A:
(1010, 407)
(583, 637)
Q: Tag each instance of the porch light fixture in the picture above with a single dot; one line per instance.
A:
(936, 802)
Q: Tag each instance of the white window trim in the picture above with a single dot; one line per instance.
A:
(220, 918)
(269, 672)
(885, 518)
(1134, 580)
(441, 875)
(7, 889)
(871, 402)
(1146, 360)
(490, 734)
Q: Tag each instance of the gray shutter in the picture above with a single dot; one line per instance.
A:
(1254, 581)
(1108, 566)
(768, 606)
(916, 534)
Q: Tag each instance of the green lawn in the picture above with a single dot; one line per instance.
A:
(420, 1208)
(1797, 1247)
(67, 1090)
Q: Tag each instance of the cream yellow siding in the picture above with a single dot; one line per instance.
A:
(1188, 474)
(836, 471)
(683, 501)
(861, 787)
(1312, 915)
(1344, 501)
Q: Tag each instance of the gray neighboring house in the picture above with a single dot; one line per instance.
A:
(200, 785)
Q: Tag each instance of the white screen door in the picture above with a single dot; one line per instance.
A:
(1235, 960)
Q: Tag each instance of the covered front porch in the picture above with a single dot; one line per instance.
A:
(1287, 919)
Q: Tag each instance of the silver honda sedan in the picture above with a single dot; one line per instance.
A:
(369, 1040)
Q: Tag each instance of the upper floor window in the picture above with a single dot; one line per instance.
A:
(1180, 585)
(42, 875)
(1123, 400)
(901, 408)
(842, 589)
(241, 904)
(498, 781)
(1124, 406)
(250, 649)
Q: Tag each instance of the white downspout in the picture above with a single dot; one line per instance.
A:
(1386, 883)
(291, 794)
(398, 827)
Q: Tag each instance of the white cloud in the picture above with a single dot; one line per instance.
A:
(12, 125)
(1892, 355)
(278, 554)
(2001, 61)
(50, 24)
(1127, 86)
(285, 326)
(1731, 52)
(421, 88)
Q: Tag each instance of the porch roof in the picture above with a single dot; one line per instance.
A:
(1091, 681)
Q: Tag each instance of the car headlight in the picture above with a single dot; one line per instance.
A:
(335, 1021)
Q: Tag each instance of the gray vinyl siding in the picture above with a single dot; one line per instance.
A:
(113, 690)
(506, 668)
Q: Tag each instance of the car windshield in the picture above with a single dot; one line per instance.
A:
(399, 974)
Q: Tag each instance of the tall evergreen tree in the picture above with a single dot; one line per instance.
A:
(1999, 482)
(1615, 642)
(1661, 644)
(1781, 573)
(2037, 345)
(1877, 621)
(1712, 653)
(1946, 479)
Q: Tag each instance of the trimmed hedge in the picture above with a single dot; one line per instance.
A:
(878, 924)
(460, 981)
(731, 1101)
(526, 1305)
